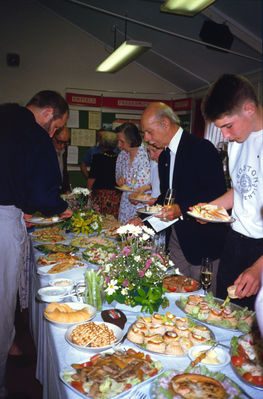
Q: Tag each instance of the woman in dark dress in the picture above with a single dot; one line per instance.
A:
(102, 177)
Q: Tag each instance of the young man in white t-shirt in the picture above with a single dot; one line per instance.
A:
(232, 105)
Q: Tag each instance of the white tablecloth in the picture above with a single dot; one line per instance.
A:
(54, 353)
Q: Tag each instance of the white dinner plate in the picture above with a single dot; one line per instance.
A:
(229, 220)
(75, 306)
(144, 210)
(129, 190)
(221, 354)
(44, 221)
(118, 332)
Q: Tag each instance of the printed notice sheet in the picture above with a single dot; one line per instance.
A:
(83, 137)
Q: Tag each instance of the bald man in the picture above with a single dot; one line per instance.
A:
(60, 141)
(192, 167)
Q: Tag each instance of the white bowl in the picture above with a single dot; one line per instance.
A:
(221, 354)
(62, 282)
(52, 294)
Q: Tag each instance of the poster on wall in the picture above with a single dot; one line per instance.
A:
(83, 137)
(73, 118)
(94, 120)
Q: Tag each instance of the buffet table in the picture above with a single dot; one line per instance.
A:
(54, 353)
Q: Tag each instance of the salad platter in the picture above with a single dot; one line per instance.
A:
(210, 310)
(168, 334)
(222, 387)
(87, 242)
(99, 254)
(140, 368)
(56, 247)
(247, 359)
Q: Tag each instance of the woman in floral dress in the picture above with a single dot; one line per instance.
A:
(132, 167)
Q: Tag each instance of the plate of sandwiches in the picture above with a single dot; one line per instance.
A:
(211, 213)
(66, 314)
(217, 312)
(194, 384)
(168, 334)
(124, 188)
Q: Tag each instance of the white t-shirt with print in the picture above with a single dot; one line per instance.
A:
(246, 171)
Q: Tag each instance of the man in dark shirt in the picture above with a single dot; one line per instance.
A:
(29, 182)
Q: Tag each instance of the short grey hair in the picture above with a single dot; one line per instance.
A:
(109, 140)
(164, 111)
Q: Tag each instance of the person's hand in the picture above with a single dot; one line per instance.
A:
(171, 213)
(120, 181)
(28, 224)
(151, 201)
(66, 214)
(132, 199)
(142, 189)
(136, 221)
(248, 282)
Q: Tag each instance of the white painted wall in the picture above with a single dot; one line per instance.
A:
(56, 55)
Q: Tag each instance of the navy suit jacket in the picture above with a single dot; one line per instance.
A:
(198, 177)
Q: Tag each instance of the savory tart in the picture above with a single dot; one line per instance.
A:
(196, 386)
(180, 284)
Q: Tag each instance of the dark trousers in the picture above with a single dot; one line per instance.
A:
(239, 253)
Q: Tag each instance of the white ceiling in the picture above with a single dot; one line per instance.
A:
(177, 55)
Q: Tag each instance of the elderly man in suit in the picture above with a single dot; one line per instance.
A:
(192, 167)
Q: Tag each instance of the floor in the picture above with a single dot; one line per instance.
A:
(21, 381)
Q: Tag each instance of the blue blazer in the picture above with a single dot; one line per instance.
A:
(198, 177)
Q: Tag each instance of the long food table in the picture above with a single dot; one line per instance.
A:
(54, 353)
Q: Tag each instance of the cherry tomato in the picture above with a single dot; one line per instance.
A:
(242, 353)
(86, 364)
(127, 386)
(94, 358)
(248, 377)
(171, 289)
(78, 385)
(258, 380)
(237, 361)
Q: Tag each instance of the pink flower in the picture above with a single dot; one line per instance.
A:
(147, 264)
(126, 251)
(141, 273)
(113, 256)
(126, 283)
(108, 280)
(158, 256)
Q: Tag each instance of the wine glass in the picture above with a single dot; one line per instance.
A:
(134, 175)
(169, 198)
(206, 274)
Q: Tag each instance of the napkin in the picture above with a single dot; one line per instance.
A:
(159, 224)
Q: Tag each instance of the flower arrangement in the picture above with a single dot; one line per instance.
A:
(77, 199)
(134, 275)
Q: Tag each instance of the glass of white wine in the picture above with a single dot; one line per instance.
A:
(134, 175)
(206, 274)
(169, 198)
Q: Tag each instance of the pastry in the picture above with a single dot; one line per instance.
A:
(63, 313)
(231, 292)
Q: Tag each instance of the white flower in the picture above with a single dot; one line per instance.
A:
(107, 267)
(124, 291)
(148, 273)
(112, 287)
(177, 271)
(80, 190)
(122, 230)
(148, 230)
(145, 237)
(94, 225)
(137, 258)
(85, 191)
(172, 264)
(82, 214)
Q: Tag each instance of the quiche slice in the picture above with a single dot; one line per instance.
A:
(196, 386)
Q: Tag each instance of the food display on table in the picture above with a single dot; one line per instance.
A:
(109, 375)
(56, 257)
(99, 254)
(212, 356)
(210, 310)
(93, 336)
(109, 222)
(168, 334)
(66, 314)
(111, 233)
(210, 213)
(62, 282)
(194, 383)
(247, 358)
(53, 248)
(48, 235)
(87, 242)
(180, 284)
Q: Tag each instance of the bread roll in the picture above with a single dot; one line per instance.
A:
(63, 313)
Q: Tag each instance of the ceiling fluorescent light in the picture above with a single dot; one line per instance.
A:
(123, 55)
(185, 7)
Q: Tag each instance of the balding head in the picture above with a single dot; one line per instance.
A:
(159, 124)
